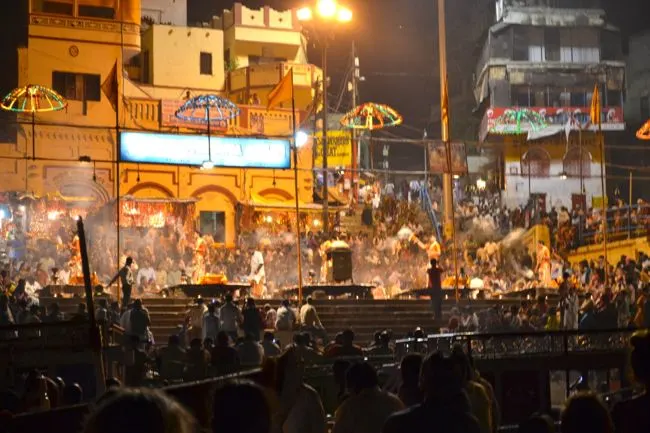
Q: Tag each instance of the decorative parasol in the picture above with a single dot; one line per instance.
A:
(206, 109)
(33, 98)
(371, 116)
(511, 120)
(644, 132)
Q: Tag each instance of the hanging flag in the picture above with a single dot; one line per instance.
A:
(110, 87)
(282, 92)
(444, 111)
(596, 107)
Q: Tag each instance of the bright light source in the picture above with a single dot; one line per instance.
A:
(2, 214)
(316, 223)
(301, 139)
(52, 215)
(456, 177)
(344, 15)
(21, 208)
(268, 219)
(563, 175)
(304, 14)
(327, 8)
(481, 184)
(207, 165)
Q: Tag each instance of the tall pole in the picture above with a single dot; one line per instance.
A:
(326, 225)
(356, 150)
(296, 189)
(448, 191)
(629, 209)
(601, 142)
(118, 142)
(447, 185)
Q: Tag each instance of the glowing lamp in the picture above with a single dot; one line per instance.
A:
(563, 175)
(301, 139)
(52, 215)
(316, 223)
(344, 15)
(207, 165)
(481, 184)
(304, 14)
(327, 8)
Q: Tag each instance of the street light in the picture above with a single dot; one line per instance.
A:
(325, 12)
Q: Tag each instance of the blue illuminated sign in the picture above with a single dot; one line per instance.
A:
(175, 149)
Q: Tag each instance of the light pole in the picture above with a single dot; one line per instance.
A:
(325, 12)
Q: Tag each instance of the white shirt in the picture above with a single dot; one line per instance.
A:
(257, 260)
(64, 276)
(146, 274)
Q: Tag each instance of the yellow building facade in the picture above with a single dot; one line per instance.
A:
(78, 55)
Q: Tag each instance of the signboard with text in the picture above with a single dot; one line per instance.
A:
(192, 150)
(438, 157)
(503, 121)
(339, 149)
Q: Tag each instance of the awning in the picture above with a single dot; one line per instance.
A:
(335, 197)
(262, 203)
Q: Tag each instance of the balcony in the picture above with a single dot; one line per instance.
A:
(268, 75)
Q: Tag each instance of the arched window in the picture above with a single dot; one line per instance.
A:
(571, 163)
(538, 161)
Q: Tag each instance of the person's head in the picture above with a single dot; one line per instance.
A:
(285, 303)
(223, 339)
(585, 412)
(139, 410)
(228, 298)
(211, 308)
(240, 406)
(250, 302)
(463, 366)
(410, 369)
(129, 261)
(347, 337)
(268, 336)
(640, 358)
(72, 394)
(200, 301)
(310, 300)
(537, 424)
(439, 377)
(196, 343)
(113, 383)
(361, 376)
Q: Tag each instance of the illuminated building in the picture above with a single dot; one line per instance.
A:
(534, 82)
(80, 48)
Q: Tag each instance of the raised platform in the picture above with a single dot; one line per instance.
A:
(205, 290)
(359, 291)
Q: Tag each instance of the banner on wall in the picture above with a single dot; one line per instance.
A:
(339, 149)
(438, 157)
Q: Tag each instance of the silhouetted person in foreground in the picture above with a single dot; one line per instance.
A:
(435, 288)
(633, 416)
(586, 413)
(445, 408)
(240, 406)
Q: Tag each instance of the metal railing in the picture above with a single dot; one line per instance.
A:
(520, 345)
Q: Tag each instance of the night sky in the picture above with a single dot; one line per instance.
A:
(396, 43)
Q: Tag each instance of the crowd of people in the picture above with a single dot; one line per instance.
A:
(441, 390)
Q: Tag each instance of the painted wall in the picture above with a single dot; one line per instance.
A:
(175, 56)
(172, 12)
(558, 191)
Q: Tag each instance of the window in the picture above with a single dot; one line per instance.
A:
(520, 96)
(213, 224)
(566, 55)
(96, 12)
(571, 163)
(536, 45)
(145, 67)
(50, 7)
(645, 107)
(539, 97)
(552, 44)
(585, 46)
(77, 87)
(578, 98)
(520, 44)
(614, 98)
(206, 63)
(538, 161)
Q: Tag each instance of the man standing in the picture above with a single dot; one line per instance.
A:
(435, 288)
(126, 280)
(258, 275)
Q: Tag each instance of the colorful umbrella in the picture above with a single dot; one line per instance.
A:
(644, 132)
(33, 98)
(371, 116)
(510, 121)
(206, 109)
